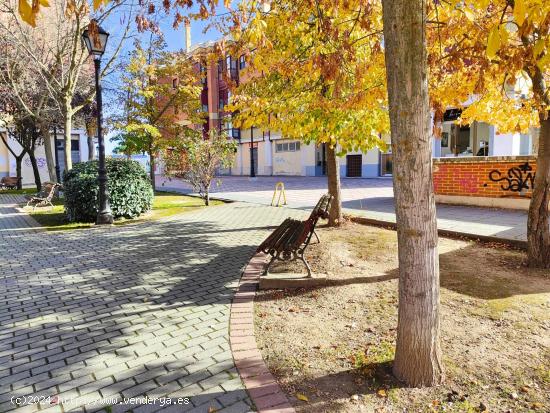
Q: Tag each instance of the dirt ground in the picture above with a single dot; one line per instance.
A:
(331, 348)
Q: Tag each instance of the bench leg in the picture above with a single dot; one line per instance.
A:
(316, 236)
(301, 256)
(266, 271)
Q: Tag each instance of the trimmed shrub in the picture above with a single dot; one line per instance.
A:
(129, 187)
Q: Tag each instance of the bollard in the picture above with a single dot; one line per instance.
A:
(279, 186)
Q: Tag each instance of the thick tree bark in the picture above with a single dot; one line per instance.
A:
(91, 133)
(67, 130)
(18, 168)
(538, 232)
(50, 162)
(35, 170)
(418, 360)
(333, 176)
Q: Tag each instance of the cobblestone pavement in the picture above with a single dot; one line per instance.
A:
(10, 217)
(371, 198)
(120, 312)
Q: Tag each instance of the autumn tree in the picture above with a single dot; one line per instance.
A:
(21, 87)
(319, 79)
(498, 52)
(54, 48)
(198, 160)
(161, 100)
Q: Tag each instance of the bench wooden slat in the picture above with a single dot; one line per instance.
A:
(290, 239)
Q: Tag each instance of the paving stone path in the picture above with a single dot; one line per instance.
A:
(121, 312)
(364, 197)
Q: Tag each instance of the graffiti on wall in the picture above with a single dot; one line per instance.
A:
(516, 179)
(41, 162)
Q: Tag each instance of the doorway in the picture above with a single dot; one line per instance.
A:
(354, 165)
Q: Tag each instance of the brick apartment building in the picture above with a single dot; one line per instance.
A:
(470, 158)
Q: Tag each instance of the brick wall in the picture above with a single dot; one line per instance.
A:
(490, 177)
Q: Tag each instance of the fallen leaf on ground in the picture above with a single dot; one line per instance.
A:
(302, 397)
(382, 393)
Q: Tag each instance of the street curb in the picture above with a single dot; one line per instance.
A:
(261, 385)
(443, 232)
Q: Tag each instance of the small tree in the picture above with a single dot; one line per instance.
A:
(157, 87)
(200, 159)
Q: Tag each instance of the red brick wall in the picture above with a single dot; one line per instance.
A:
(492, 177)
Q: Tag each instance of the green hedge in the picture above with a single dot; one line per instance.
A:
(129, 186)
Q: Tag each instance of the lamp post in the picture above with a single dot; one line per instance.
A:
(95, 39)
(252, 169)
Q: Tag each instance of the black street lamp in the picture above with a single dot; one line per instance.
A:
(95, 39)
(252, 169)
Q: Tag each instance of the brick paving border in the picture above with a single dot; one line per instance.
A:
(259, 382)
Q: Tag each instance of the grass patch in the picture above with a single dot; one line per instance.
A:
(164, 205)
(24, 191)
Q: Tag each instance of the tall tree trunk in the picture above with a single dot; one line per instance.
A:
(18, 168)
(418, 354)
(91, 133)
(67, 130)
(50, 162)
(538, 232)
(18, 160)
(152, 168)
(35, 170)
(333, 176)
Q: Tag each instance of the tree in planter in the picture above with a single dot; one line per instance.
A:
(320, 79)
(199, 159)
(418, 360)
(161, 101)
(499, 50)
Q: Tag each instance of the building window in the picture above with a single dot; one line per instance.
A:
(242, 62)
(205, 108)
(287, 147)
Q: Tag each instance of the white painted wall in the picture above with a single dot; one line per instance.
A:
(7, 158)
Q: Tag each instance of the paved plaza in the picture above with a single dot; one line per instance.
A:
(120, 312)
(370, 198)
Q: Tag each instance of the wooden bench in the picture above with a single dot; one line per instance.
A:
(44, 197)
(289, 241)
(9, 182)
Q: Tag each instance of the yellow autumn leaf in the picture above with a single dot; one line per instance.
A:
(538, 48)
(97, 4)
(544, 62)
(44, 3)
(519, 11)
(382, 393)
(493, 43)
(469, 14)
(302, 397)
(26, 13)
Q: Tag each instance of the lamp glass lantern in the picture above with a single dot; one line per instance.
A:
(95, 44)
